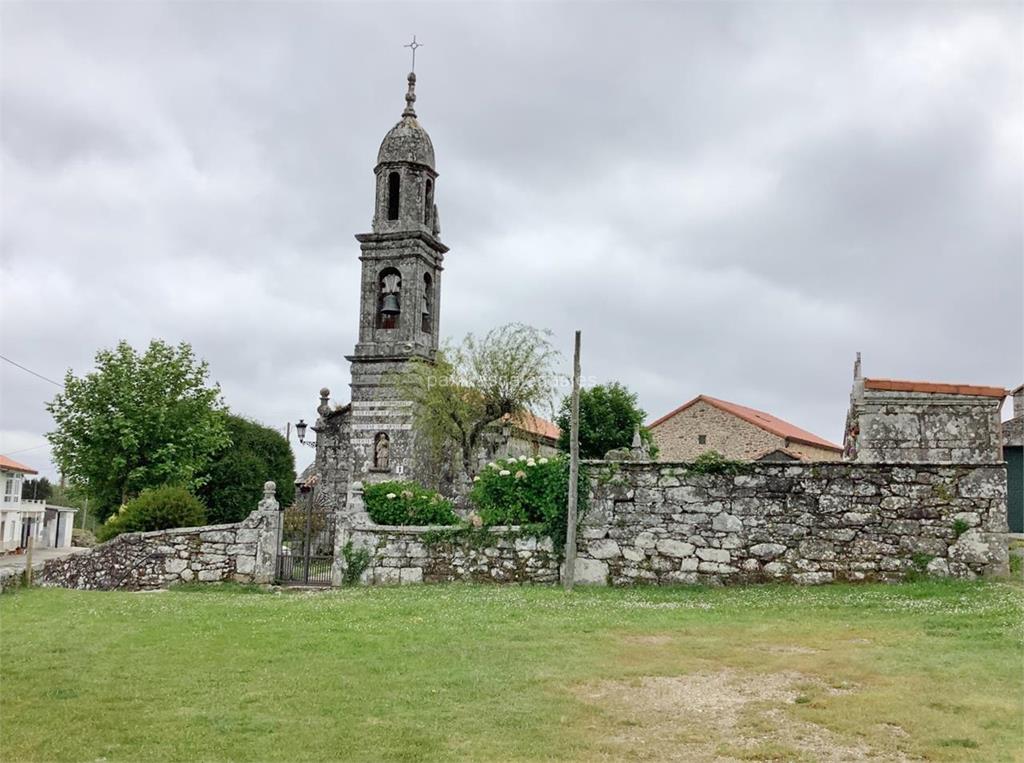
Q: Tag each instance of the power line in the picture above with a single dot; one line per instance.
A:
(25, 450)
(29, 370)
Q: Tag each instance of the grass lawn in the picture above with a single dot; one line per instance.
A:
(925, 670)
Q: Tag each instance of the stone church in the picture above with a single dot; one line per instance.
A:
(373, 437)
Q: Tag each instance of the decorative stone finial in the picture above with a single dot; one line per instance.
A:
(410, 97)
(325, 397)
(269, 502)
(856, 368)
(636, 438)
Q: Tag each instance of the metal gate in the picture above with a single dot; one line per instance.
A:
(306, 552)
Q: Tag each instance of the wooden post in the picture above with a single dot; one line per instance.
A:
(28, 559)
(574, 471)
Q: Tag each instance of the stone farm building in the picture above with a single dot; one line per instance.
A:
(373, 437)
(736, 431)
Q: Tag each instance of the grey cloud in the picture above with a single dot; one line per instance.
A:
(726, 198)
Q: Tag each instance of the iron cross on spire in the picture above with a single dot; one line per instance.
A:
(413, 45)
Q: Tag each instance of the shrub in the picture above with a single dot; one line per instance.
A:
(713, 462)
(521, 491)
(155, 509)
(356, 561)
(82, 538)
(406, 503)
(960, 527)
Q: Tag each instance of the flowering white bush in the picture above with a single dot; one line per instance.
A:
(538, 494)
(406, 503)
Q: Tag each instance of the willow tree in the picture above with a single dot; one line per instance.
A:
(478, 383)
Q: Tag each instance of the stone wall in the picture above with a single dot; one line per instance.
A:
(243, 552)
(808, 523)
(437, 555)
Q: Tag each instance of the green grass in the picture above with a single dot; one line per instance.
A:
(928, 669)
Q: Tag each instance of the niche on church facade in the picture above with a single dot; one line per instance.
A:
(382, 452)
(389, 299)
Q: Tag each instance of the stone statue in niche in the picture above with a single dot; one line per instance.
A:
(381, 452)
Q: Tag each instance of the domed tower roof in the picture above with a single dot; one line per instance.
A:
(407, 141)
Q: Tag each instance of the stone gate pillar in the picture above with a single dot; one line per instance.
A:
(269, 541)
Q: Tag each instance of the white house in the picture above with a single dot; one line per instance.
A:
(47, 526)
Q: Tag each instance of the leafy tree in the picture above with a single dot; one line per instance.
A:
(37, 489)
(474, 384)
(136, 422)
(609, 415)
(155, 509)
(234, 480)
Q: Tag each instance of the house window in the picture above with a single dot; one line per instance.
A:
(12, 489)
(702, 439)
(394, 189)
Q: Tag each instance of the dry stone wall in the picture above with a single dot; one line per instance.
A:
(243, 552)
(808, 523)
(400, 555)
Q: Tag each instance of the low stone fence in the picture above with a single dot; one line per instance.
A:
(443, 554)
(807, 523)
(243, 552)
(647, 523)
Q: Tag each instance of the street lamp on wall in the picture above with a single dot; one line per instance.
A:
(300, 430)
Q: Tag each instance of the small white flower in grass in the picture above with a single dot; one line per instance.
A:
(542, 460)
(493, 465)
(407, 494)
(476, 478)
(392, 496)
(531, 462)
(523, 458)
(504, 473)
(520, 475)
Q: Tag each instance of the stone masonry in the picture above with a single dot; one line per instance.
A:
(890, 421)
(412, 555)
(808, 523)
(243, 552)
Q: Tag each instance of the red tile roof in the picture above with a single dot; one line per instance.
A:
(533, 424)
(894, 385)
(14, 466)
(765, 421)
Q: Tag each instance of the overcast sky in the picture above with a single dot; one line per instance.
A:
(729, 199)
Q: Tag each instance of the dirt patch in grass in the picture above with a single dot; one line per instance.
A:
(725, 715)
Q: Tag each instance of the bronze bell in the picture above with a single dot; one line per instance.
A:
(389, 306)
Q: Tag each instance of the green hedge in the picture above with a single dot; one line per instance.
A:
(406, 503)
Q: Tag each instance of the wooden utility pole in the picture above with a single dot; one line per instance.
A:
(574, 471)
(28, 556)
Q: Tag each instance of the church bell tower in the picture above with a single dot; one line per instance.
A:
(399, 301)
